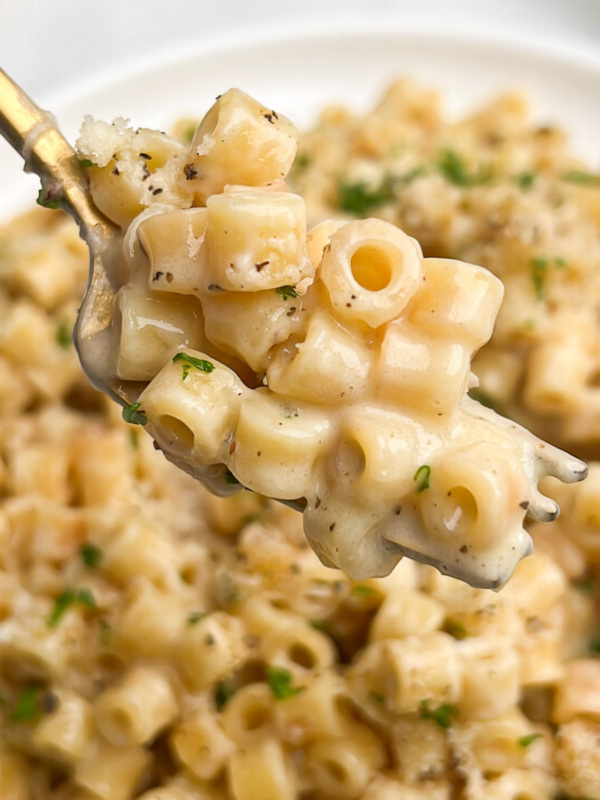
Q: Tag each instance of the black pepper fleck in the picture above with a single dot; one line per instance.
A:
(157, 191)
(146, 156)
(158, 276)
(190, 172)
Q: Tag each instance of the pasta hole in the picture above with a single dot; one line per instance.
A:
(255, 716)
(335, 772)
(301, 655)
(371, 267)
(350, 460)
(178, 430)
(460, 513)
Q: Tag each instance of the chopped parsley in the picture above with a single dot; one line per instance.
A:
(580, 177)
(133, 416)
(231, 479)
(86, 163)
(90, 555)
(526, 179)
(191, 361)
(105, 632)
(358, 198)
(525, 741)
(363, 591)
(377, 697)
(485, 399)
(585, 585)
(456, 629)
(539, 266)
(301, 163)
(195, 617)
(223, 693)
(47, 199)
(280, 682)
(452, 167)
(594, 645)
(64, 334)
(133, 439)
(442, 715)
(286, 292)
(67, 599)
(27, 707)
(421, 477)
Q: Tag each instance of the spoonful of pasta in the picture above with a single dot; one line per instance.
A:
(327, 369)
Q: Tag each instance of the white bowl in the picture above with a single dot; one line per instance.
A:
(298, 74)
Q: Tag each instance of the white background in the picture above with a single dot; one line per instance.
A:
(46, 45)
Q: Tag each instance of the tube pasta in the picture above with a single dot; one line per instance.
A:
(339, 358)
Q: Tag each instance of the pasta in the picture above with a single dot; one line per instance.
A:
(160, 643)
(328, 369)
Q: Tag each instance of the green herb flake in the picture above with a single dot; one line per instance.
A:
(280, 682)
(485, 399)
(105, 632)
(195, 617)
(525, 741)
(526, 179)
(86, 163)
(539, 266)
(90, 555)
(452, 167)
(363, 591)
(191, 361)
(585, 585)
(529, 325)
(27, 707)
(286, 292)
(359, 199)
(189, 133)
(133, 439)
(421, 478)
(376, 697)
(301, 163)
(64, 335)
(456, 629)
(223, 693)
(580, 177)
(46, 199)
(442, 715)
(231, 479)
(560, 263)
(67, 599)
(133, 416)
(318, 625)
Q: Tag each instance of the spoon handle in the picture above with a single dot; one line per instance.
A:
(34, 134)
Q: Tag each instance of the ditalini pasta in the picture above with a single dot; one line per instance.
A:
(327, 369)
(158, 642)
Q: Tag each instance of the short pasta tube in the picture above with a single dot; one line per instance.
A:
(110, 772)
(421, 669)
(342, 768)
(490, 677)
(330, 365)
(172, 241)
(371, 270)
(406, 612)
(191, 410)
(578, 693)
(151, 330)
(240, 141)
(138, 708)
(262, 320)
(249, 716)
(277, 443)
(261, 770)
(320, 710)
(256, 241)
(66, 733)
(471, 490)
(457, 297)
(298, 648)
(421, 371)
(200, 744)
(212, 648)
